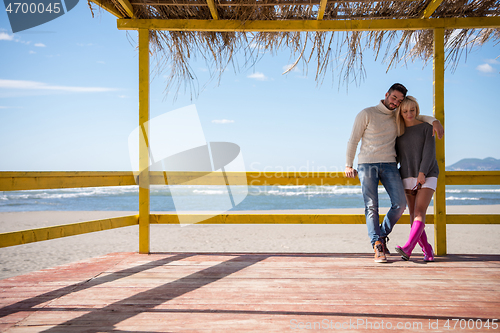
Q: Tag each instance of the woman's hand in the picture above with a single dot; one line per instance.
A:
(421, 178)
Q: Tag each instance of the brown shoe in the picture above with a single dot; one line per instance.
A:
(379, 252)
(385, 240)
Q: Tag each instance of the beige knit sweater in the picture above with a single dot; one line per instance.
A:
(376, 128)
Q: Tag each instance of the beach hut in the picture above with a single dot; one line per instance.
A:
(437, 29)
(167, 292)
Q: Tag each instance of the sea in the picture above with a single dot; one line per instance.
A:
(126, 198)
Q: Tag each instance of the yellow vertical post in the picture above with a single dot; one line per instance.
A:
(144, 209)
(440, 194)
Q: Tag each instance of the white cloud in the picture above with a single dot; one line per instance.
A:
(32, 52)
(492, 61)
(485, 68)
(40, 45)
(6, 36)
(258, 76)
(32, 85)
(222, 121)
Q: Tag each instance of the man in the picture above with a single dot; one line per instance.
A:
(376, 128)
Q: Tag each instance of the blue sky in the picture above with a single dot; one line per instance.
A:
(69, 100)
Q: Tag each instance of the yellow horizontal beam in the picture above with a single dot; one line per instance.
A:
(17, 181)
(42, 234)
(312, 219)
(473, 219)
(109, 8)
(472, 177)
(256, 178)
(309, 25)
(272, 219)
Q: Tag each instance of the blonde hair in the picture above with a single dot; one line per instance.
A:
(407, 103)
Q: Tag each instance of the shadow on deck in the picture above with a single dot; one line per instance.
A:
(241, 292)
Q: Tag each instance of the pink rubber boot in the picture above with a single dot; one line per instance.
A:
(426, 247)
(416, 231)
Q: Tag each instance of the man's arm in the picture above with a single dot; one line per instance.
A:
(436, 125)
(358, 129)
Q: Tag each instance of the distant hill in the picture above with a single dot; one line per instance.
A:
(475, 164)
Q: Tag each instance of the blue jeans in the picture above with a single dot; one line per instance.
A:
(388, 174)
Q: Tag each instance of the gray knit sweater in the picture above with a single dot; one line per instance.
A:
(416, 151)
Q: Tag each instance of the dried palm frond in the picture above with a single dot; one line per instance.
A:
(339, 53)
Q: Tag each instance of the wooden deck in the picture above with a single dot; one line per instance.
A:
(231, 292)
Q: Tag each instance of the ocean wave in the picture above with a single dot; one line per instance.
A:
(484, 190)
(311, 191)
(209, 192)
(462, 198)
(69, 193)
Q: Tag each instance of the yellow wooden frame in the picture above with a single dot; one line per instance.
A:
(213, 9)
(47, 233)
(144, 181)
(309, 25)
(440, 218)
(13, 181)
(21, 180)
(25, 181)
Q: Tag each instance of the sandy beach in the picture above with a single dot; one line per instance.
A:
(17, 260)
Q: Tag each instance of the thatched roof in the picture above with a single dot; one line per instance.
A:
(339, 52)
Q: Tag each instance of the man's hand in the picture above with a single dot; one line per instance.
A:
(350, 172)
(438, 129)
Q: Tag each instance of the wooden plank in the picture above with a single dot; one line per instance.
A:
(17, 181)
(255, 292)
(127, 7)
(144, 179)
(230, 3)
(42, 234)
(213, 9)
(472, 177)
(473, 219)
(235, 218)
(438, 110)
(322, 8)
(430, 9)
(309, 25)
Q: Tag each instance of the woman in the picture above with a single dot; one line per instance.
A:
(416, 151)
